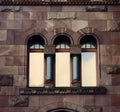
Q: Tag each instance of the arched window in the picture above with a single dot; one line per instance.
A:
(88, 60)
(62, 61)
(35, 46)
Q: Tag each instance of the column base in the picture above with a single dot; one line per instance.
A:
(76, 83)
(49, 84)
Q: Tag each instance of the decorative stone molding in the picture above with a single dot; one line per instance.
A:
(64, 91)
(18, 101)
(6, 80)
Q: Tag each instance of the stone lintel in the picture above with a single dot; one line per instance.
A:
(75, 50)
(49, 49)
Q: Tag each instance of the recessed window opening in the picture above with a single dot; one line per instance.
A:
(36, 61)
(89, 60)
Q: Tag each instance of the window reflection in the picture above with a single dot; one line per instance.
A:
(88, 69)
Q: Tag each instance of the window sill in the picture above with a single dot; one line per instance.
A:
(64, 91)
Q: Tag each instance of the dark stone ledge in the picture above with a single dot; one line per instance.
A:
(62, 2)
(64, 91)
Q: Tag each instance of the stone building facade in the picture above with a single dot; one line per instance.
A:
(19, 23)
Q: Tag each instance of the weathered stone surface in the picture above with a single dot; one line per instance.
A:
(18, 101)
(74, 8)
(101, 24)
(75, 49)
(93, 109)
(113, 25)
(9, 70)
(78, 24)
(113, 69)
(3, 35)
(116, 79)
(34, 101)
(10, 8)
(50, 49)
(4, 101)
(115, 99)
(14, 24)
(96, 8)
(6, 15)
(20, 80)
(61, 15)
(6, 80)
(100, 15)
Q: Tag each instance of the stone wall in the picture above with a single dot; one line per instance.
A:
(18, 23)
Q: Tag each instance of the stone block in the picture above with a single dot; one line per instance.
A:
(113, 25)
(6, 15)
(62, 25)
(4, 101)
(6, 109)
(89, 100)
(116, 79)
(96, 8)
(22, 70)
(2, 60)
(75, 50)
(34, 101)
(50, 49)
(35, 16)
(92, 109)
(61, 15)
(14, 24)
(6, 80)
(79, 24)
(102, 100)
(56, 8)
(10, 34)
(98, 24)
(18, 101)
(115, 98)
(100, 15)
(20, 80)
(82, 15)
(116, 15)
(9, 70)
(3, 35)
(3, 24)
(74, 8)
(113, 8)
(36, 8)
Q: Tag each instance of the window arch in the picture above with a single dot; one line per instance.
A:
(35, 45)
(88, 60)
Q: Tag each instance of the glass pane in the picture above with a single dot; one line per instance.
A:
(32, 47)
(89, 69)
(37, 46)
(36, 70)
(93, 46)
(62, 70)
(67, 46)
(87, 45)
(62, 45)
(83, 46)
